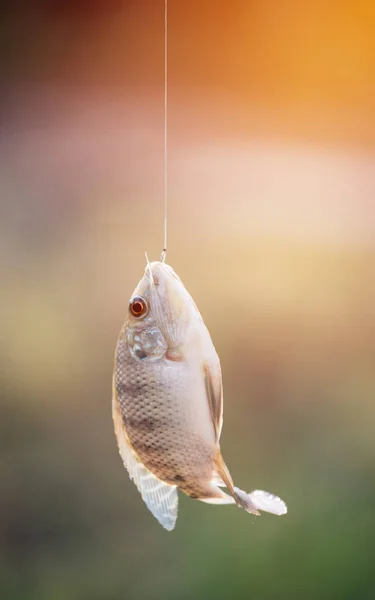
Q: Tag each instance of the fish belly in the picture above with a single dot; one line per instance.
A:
(167, 419)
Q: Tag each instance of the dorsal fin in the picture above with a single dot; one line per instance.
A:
(214, 392)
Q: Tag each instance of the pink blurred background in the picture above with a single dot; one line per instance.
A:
(271, 228)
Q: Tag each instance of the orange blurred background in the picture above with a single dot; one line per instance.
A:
(272, 229)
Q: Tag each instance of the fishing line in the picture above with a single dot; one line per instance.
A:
(164, 252)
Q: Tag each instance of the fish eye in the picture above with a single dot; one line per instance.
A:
(138, 307)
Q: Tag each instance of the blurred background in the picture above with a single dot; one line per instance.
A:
(272, 230)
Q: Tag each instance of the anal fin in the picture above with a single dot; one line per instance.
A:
(224, 499)
(160, 497)
(217, 480)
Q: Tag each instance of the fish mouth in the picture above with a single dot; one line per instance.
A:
(167, 303)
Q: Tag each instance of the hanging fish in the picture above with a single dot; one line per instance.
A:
(168, 402)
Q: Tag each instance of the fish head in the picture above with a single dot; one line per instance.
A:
(160, 299)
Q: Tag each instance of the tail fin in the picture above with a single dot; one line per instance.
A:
(260, 500)
(253, 502)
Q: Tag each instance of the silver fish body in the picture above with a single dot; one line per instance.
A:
(168, 402)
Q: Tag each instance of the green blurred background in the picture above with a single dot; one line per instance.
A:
(272, 230)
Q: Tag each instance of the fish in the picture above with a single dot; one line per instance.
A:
(167, 402)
